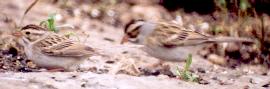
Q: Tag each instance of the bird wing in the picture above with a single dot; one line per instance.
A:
(68, 49)
(171, 35)
(56, 45)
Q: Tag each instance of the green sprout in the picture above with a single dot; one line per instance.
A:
(69, 34)
(222, 3)
(50, 23)
(244, 5)
(186, 74)
(217, 29)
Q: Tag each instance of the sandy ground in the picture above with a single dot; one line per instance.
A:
(82, 80)
(118, 65)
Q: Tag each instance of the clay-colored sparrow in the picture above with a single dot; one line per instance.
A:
(168, 41)
(50, 50)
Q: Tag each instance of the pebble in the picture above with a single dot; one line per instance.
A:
(255, 80)
(217, 59)
(201, 70)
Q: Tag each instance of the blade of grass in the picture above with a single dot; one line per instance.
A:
(178, 72)
(188, 62)
(27, 10)
(51, 23)
(186, 74)
(68, 34)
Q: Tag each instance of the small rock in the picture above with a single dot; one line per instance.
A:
(266, 85)
(217, 59)
(233, 51)
(255, 80)
(162, 76)
(264, 74)
(124, 52)
(201, 70)
(204, 26)
(110, 62)
(246, 87)
(204, 82)
(232, 47)
(214, 78)
(83, 85)
(109, 39)
(30, 64)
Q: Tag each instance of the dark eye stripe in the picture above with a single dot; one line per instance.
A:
(130, 23)
(32, 26)
(131, 35)
(134, 33)
(137, 28)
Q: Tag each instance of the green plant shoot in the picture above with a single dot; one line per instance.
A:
(186, 74)
(244, 5)
(51, 23)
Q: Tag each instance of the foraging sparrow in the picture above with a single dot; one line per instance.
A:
(168, 41)
(50, 50)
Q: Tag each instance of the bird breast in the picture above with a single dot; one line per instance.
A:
(170, 54)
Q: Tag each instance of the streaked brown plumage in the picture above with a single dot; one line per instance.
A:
(50, 50)
(168, 41)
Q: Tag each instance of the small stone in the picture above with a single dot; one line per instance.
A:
(162, 76)
(255, 80)
(214, 78)
(201, 70)
(224, 72)
(266, 85)
(204, 82)
(246, 87)
(109, 39)
(30, 64)
(34, 86)
(204, 26)
(245, 55)
(232, 47)
(52, 77)
(124, 52)
(83, 85)
(217, 59)
(110, 62)
(74, 76)
(264, 74)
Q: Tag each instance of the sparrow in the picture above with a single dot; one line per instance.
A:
(50, 50)
(169, 41)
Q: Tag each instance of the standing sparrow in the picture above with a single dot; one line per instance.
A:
(50, 50)
(168, 41)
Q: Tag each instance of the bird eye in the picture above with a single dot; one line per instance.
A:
(132, 35)
(27, 33)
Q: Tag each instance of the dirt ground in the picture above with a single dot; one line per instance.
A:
(119, 66)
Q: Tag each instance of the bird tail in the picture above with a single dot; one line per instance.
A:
(230, 39)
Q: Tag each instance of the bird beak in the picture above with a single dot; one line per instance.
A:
(17, 34)
(124, 39)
